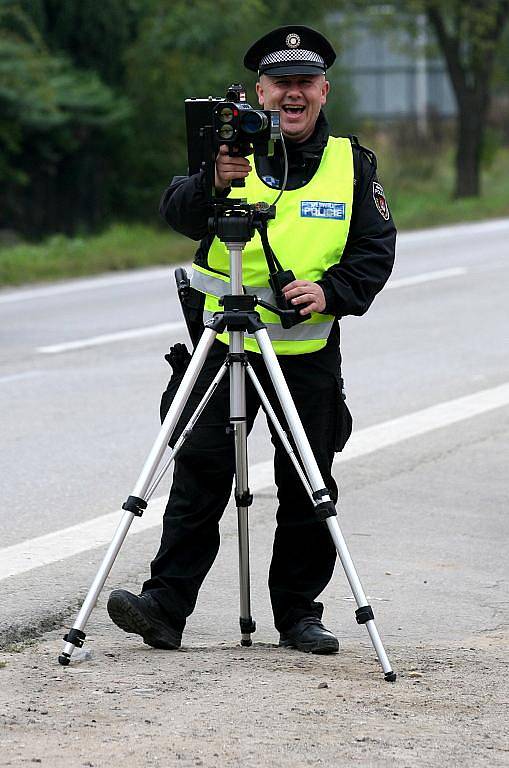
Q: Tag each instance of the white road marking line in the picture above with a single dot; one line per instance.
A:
(420, 422)
(18, 376)
(87, 284)
(108, 338)
(154, 330)
(426, 277)
(56, 546)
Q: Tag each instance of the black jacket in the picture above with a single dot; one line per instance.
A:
(349, 286)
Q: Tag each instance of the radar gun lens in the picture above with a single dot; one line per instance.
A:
(226, 115)
(226, 131)
(253, 122)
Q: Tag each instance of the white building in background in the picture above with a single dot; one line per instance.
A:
(391, 83)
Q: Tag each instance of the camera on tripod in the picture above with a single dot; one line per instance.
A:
(232, 121)
(241, 127)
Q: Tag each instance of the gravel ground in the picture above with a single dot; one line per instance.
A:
(223, 705)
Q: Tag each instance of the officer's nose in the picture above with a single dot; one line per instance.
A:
(294, 93)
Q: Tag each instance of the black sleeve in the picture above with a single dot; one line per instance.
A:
(184, 206)
(351, 285)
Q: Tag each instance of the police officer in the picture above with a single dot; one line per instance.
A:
(334, 230)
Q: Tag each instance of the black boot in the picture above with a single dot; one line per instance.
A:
(143, 616)
(309, 635)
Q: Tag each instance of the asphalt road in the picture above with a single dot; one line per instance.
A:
(77, 423)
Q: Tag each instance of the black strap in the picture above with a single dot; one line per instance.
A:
(270, 257)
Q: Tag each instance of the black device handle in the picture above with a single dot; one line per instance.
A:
(290, 316)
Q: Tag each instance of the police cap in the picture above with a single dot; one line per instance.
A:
(292, 50)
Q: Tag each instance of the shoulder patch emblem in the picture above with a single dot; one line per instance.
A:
(380, 201)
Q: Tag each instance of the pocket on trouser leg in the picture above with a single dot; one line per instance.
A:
(344, 420)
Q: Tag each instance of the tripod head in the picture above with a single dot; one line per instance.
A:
(235, 221)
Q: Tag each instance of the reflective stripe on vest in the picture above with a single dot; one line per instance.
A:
(308, 236)
(205, 282)
(301, 332)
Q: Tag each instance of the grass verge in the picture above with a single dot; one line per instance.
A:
(122, 246)
(419, 190)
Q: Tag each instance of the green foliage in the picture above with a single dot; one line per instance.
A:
(419, 187)
(92, 99)
(93, 33)
(501, 75)
(50, 111)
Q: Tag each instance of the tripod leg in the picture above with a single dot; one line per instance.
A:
(243, 498)
(324, 507)
(269, 410)
(137, 501)
(187, 430)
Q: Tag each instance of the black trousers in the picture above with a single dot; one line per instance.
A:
(303, 553)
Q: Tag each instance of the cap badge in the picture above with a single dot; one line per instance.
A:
(293, 40)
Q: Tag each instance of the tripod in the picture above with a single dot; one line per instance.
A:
(238, 318)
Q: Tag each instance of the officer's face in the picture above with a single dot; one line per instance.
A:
(299, 98)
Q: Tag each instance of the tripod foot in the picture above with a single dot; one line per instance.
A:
(73, 639)
(247, 626)
(390, 677)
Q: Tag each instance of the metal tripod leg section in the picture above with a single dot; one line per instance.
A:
(364, 613)
(243, 498)
(137, 501)
(323, 503)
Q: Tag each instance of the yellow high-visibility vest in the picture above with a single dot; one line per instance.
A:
(308, 236)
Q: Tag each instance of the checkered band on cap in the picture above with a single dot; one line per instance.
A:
(292, 54)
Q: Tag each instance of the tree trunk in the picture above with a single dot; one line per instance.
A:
(470, 129)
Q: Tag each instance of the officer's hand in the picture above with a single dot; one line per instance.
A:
(229, 168)
(305, 292)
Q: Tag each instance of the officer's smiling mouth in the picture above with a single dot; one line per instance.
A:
(293, 109)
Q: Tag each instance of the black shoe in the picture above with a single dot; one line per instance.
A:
(143, 616)
(309, 635)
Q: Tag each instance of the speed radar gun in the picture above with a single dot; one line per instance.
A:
(210, 123)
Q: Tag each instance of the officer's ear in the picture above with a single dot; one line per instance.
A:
(325, 91)
(259, 92)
